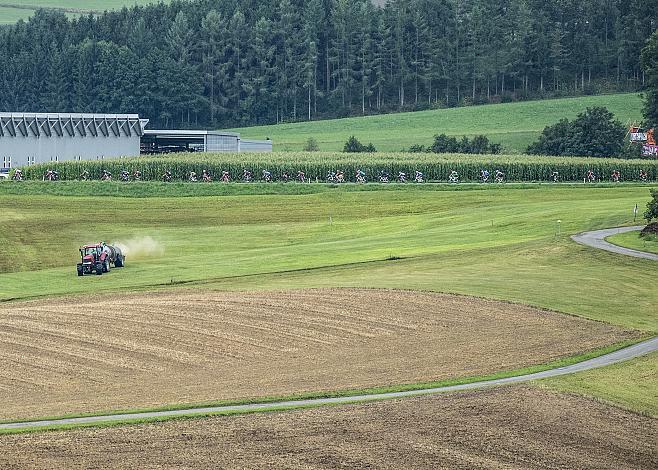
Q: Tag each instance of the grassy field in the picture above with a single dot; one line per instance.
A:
(514, 125)
(498, 242)
(634, 241)
(632, 385)
(10, 15)
(13, 10)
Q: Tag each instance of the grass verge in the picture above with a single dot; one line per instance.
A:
(307, 396)
(633, 241)
(156, 189)
(631, 385)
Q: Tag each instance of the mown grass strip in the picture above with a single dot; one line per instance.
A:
(156, 189)
(633, 241)
(311, 395)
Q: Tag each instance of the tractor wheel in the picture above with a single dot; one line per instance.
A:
(81, 271)
(118, 263)
(99, 269)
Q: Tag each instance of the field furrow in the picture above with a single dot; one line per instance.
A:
(149, 349)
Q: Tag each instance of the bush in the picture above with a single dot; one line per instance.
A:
(652, 207)
(480, 145)
(594, 133)
(354, 146)
(417, 149)
(311, 145)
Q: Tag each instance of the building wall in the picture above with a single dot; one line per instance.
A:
(255, 146)
(222, 143)
(31, 150)
(31, 138)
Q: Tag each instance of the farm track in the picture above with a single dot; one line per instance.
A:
(596, 239)
(506, 427)
(631, 352)
(77, 355)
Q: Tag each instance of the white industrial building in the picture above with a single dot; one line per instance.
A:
(30, 138)
(162, 141)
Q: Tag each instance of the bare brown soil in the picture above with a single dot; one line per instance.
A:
(518, 427)
(142, 350)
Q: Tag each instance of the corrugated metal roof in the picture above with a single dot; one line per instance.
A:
(186, 133)
(71, 125)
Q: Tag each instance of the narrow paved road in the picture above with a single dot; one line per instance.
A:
(596, 239)
(625, 354)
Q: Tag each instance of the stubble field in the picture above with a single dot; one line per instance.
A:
(510, 427)
(121, 351)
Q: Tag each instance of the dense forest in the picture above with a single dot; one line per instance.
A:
(211, 63)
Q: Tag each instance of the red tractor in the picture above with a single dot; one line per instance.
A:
(98, 258)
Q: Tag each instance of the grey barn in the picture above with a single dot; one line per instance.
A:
(29, 138)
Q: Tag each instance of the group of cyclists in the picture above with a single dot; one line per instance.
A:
(332, 177)
(615, 176)
(48, 175)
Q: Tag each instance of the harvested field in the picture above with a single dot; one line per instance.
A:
(142, 350)
(511, 427)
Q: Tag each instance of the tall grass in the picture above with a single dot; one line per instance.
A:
(317, 166)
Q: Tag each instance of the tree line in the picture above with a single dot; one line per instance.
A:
(225, 63)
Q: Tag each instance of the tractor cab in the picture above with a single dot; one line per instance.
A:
(92, 254)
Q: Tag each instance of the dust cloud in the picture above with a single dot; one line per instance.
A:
(143, 247)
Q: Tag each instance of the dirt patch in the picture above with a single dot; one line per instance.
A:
(508, 427)
(141, 350)
(650, 230)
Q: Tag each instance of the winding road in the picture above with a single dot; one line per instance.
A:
(595, 239)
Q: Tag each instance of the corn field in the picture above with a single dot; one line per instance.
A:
(316, 166)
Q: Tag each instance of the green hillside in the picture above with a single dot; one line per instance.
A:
(514, 125)
(13, 10)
